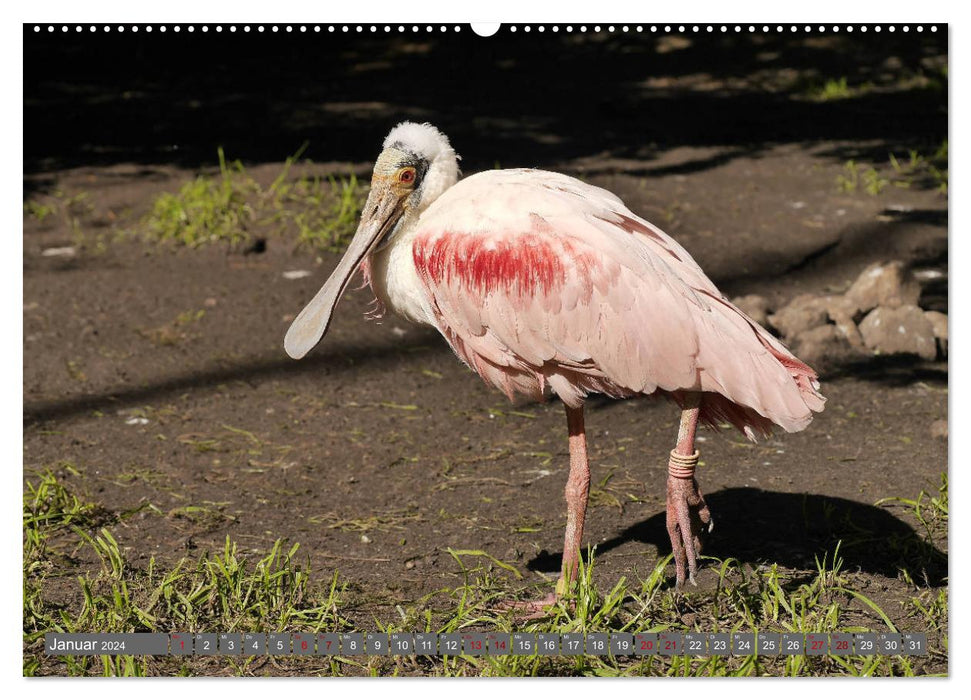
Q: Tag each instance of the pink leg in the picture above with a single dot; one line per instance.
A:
(688, 517)
(577, 490)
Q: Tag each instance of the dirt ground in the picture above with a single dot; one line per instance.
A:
(159, 373)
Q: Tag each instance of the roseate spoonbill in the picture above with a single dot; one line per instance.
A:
(539, 281)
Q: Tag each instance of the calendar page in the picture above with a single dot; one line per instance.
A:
(427, 349)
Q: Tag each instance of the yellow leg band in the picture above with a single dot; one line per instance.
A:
(683, 466)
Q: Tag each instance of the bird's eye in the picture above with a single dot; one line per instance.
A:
(406, 176)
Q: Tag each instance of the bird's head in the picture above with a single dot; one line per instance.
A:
(417, 164)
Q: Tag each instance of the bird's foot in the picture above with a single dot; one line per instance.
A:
(688, 517)
(529, 609)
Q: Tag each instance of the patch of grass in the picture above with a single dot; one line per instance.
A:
(929, 509)
(932, 609)
(330, 213)
(206, 210)
(58, 203)
(765, 599)
(914, 170)
(857, 176)
(830, 90)
(602, 495)
(458, 553)
(49, 508)
(319, 212)
(873, 183)
(221, 592)
(929, 172)
(38, 210)
(67, 211)
(228, 591)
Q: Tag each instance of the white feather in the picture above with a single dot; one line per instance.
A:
(421, 139)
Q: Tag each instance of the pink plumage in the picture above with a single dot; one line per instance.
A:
(538, 280)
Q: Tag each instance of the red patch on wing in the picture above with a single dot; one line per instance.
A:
(525, 265)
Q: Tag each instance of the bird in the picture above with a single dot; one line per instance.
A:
(545, 285)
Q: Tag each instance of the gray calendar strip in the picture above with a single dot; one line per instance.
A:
(106, 644)
(490, 644)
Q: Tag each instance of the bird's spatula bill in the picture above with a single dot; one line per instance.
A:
(309, 327)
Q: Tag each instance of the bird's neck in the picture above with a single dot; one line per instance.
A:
(394, 279)
(442, 174)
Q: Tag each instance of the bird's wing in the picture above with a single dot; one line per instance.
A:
(538, 274)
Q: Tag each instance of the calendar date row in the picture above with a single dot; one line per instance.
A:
(492, 644)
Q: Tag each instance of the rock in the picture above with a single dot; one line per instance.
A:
(939, 324)
(884, 284)
(905, 330)
(928, 276)
(939, 429)
(804, 312)
(65, 252)
(823, 348)
(841, 312)
(755, 307)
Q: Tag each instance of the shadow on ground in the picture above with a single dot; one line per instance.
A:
(329, 360)
(794, 530)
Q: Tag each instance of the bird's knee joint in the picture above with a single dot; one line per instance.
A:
(577, 488)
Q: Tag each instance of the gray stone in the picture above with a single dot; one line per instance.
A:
(889, 331)
(823, 348)
(807, 311)
(804, 312)
(841, 312)
(755, 307)
(939, 324)
(939, 429)
(888, 284)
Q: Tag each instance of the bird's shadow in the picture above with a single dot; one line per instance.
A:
(794, 530)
